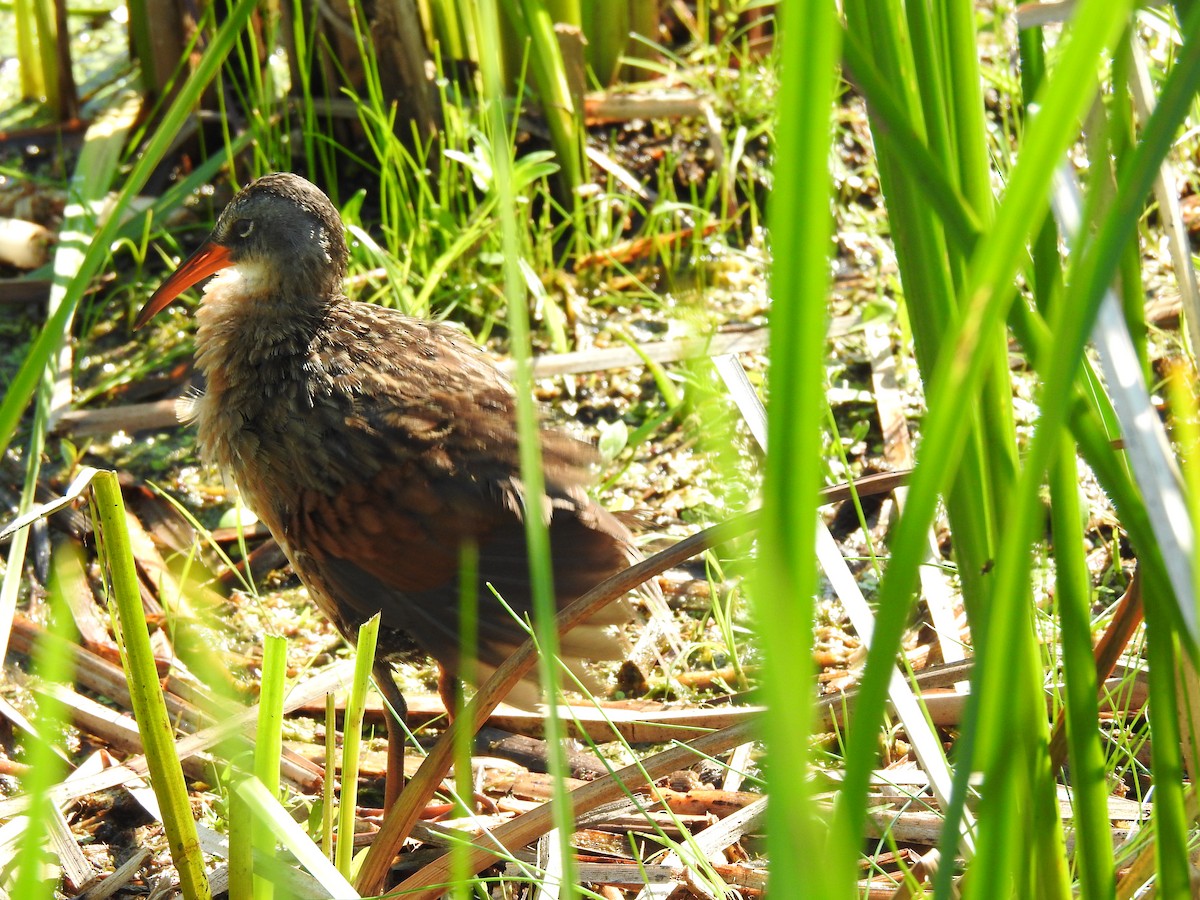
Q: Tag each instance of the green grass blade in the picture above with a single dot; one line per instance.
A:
(606, 24)
(468, 643)
(905, 43)
(52, 664)
(28, 57)
(268, 741)
(241, 844)
(1000, 714)
(327, 794)
(960, 221)
(800, 237)
(1073, 596)
(1171, 822)
(536, 531)
(956, 20)
(364, 659)
(149, 707)
(536, 24)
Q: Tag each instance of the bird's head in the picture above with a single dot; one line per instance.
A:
(281, 230)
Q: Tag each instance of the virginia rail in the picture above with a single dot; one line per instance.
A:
(375, 445)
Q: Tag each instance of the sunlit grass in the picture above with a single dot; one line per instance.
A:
(155, 727)
(443, 228)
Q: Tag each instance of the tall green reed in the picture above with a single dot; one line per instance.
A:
(537, 533)
(959, 253)
(154, 723)
(800, 239)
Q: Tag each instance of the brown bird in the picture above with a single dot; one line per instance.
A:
(375, 445)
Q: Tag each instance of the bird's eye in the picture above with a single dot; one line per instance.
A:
(244, 228)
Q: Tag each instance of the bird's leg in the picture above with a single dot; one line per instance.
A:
(396, 715)
(450, 690)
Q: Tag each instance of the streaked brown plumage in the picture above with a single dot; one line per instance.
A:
(372, 444)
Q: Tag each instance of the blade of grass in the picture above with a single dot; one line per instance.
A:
(364, 659)
(1093, 853)
(28, 57)
(52, 664)
(1149, 453)
(960, 221)
(268, 741)
(537, 534)
(150, 710)
(240, 824)
(1185, 415)
(536, 25)
(1136, 179)
(468, 617)
(327, 794)
(607, 27)
(1093, 836)
(783, 591)
(1171, 820)
(47, 40)
(1167, 193)
(907, 43)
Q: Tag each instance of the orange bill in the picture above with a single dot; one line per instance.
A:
(209, 259)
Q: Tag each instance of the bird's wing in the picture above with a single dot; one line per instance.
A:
(402, 558)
